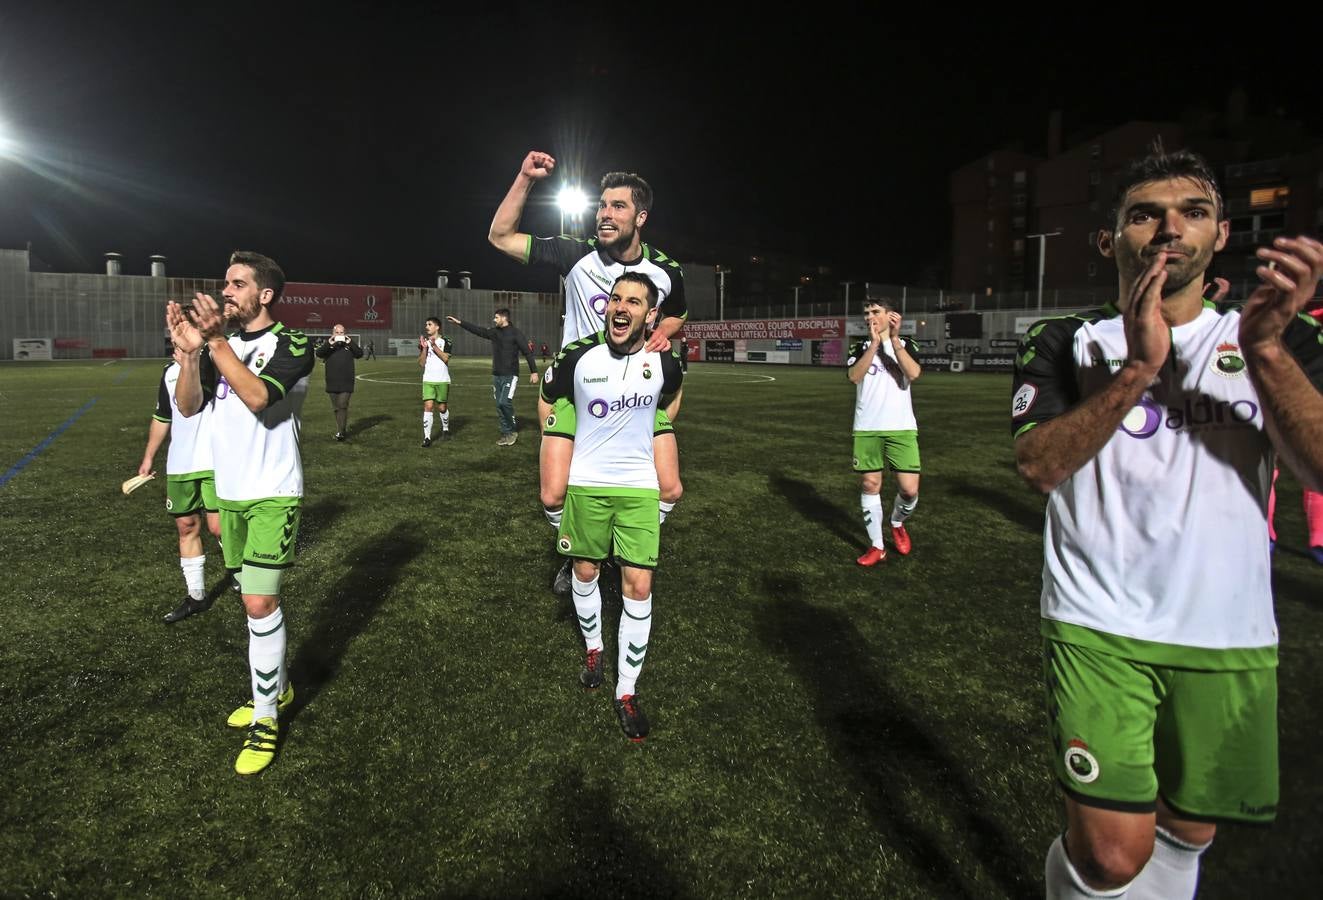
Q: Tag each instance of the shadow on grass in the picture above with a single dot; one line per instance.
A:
(810, 504)
(317, 518)
(1023, 508)
(593, 853)
(367, 423)
(885, 750)
(370, 574)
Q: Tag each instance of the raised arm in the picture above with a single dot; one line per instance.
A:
(504, 233)
(1291, 399)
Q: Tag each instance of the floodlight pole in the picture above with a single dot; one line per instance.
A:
(1042, 261)
(721, 293)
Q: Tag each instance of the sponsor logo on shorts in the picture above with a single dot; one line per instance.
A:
(1148, 417)
(564, 544)
(169, 504)
(1023, 401)
(599, 408)
(1228, 362)
(856, 462)
(1267, 809)
(551, 421)
(266, 556)
(1080, 763)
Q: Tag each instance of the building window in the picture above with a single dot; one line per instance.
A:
(1095, 151)
(1018, 200)
(1269, 196)
(992, 224)
(1095, 177)
(1020, 177)
(1017, 246)
(1017, 222)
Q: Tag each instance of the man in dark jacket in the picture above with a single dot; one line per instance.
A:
(339, 352)
(507, 343)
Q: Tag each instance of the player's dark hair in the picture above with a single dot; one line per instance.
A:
(433, 319)
(1160, 165)
(639, 278)
(885, 302)
(639, 191)
(266, 273)
(503, 311)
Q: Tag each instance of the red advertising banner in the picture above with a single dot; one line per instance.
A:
(319, 306)
(765, 329)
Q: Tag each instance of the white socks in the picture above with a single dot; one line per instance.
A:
(266, 662)
(635, 625)
(445, 420)
(588, 607)
(1064, 883)
(665, 508)
(554, 515)
(872, 504)
(1172, 872)
(427, 426)
(902, 508)
(194, 578)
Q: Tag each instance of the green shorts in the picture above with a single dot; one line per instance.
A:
(560, 421)
(188, 493)
(436, 390)
(894, 450)
(1125, 732)
(258, 539)
(595, 517)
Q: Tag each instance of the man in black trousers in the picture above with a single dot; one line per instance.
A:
(338, 354)
(507, 343)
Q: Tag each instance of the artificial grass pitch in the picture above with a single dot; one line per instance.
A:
(818, 729)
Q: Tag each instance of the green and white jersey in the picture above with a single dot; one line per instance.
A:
(882, 399)
(615, 401)
(257, 454)
(434, 368)
(589, 274)
(1157, 548)
(190, 436)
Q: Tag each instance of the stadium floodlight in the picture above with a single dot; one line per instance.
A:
(572, 202)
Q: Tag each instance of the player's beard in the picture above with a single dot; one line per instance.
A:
(632, 342)
(624, 237)
(1187, 270)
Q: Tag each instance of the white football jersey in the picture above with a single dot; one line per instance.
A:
(589, 274)
(1162, 537)
(882, 400)
(190, 436)
(434, 368)
(257, 454)
(615, 407)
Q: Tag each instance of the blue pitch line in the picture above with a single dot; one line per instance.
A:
(50, 438)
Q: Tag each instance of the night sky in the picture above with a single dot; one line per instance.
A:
(371, 143)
